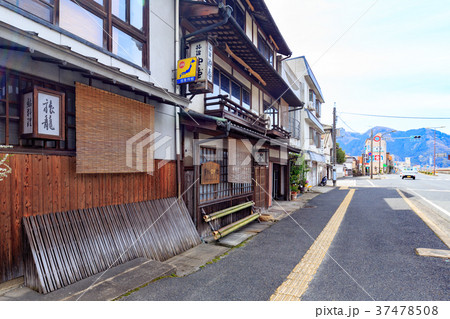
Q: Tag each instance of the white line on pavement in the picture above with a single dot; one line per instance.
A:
(371, 183)
(431, 203)
(430, 190)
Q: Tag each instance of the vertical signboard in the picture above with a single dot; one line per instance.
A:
(204, 52)
(43, 114)
(27, 122)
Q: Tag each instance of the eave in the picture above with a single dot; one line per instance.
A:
(242, 47)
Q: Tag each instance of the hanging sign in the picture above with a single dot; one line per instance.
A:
(210, 173)
(204, 52)
(43, 114)
(187, 70)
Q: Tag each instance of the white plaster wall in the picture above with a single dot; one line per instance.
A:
(165, 125)
(162, 43)
(248, 25)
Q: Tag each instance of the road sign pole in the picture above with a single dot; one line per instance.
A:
(371, 154)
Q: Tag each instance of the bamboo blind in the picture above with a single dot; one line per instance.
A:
(105, 122)
(239, 162)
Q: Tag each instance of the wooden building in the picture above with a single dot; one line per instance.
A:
(238, 118)
(88, 110)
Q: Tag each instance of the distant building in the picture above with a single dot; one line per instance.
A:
(375, 151)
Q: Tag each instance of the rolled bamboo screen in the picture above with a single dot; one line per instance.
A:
(239, 161)
(105, 122)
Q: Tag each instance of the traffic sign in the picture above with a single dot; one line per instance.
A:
(377, 138)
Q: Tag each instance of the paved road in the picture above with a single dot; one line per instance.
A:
(434, 189)
(374, 248)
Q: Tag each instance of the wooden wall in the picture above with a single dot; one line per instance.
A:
(41, 184)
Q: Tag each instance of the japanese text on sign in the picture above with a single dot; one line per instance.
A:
(28, 113)
(48, 114)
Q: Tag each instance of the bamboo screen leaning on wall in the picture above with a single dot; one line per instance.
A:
(105, 122)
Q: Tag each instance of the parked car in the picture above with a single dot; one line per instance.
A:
(408, 172)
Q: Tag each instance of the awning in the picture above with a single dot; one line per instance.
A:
(313, 120)
(315, 157)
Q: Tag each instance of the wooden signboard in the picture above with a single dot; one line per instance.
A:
(204, 52)
(210, 173)
(43, 114)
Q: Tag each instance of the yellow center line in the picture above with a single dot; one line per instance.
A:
(298, 280)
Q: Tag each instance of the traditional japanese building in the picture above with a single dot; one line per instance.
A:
(88, 111)
(238, 119)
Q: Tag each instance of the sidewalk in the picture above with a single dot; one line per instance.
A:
(121, 280)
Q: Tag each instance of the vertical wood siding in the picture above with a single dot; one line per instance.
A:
(42, 184)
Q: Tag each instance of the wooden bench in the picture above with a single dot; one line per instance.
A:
(219, 233)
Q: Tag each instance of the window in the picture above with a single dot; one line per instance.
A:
(41, 8)
(224, 189)
(127, 47)
(131, 11)
(273, 113)
(238, 13)
(81, 22)
(311, 136)
(235, 92)
(118, 26)
(265, 49)
(246, 99)
(224, 86)
(12, 86)
(294, 124)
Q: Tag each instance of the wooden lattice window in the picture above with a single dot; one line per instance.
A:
(12, 87)
(224, 189)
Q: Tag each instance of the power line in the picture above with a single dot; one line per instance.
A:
(399, 117)
(340, 118)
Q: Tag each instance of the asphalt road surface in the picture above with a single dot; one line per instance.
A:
(372, 256)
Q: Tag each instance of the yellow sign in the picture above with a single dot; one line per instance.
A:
(187, 70)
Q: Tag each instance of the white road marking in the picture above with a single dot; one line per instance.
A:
(373, 185)
(431, 203)
(431, 190)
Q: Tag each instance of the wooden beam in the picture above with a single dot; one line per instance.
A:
(274, 43)
(245, 65)
(250, 5)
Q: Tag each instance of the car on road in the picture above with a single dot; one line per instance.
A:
(408, 172)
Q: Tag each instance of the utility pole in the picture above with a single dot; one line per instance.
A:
(371, 154)
(434, 156)
(379, 156)
(334, 145)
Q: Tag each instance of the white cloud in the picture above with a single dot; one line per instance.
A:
(395, 60)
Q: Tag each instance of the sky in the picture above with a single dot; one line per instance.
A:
(379, 57)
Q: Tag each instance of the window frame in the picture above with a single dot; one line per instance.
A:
(231, 80)
(236, 6)
(265, 49)
(109, 21)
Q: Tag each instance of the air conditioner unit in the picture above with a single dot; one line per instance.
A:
(311, 106)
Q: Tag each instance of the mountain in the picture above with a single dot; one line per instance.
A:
(401, 145)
